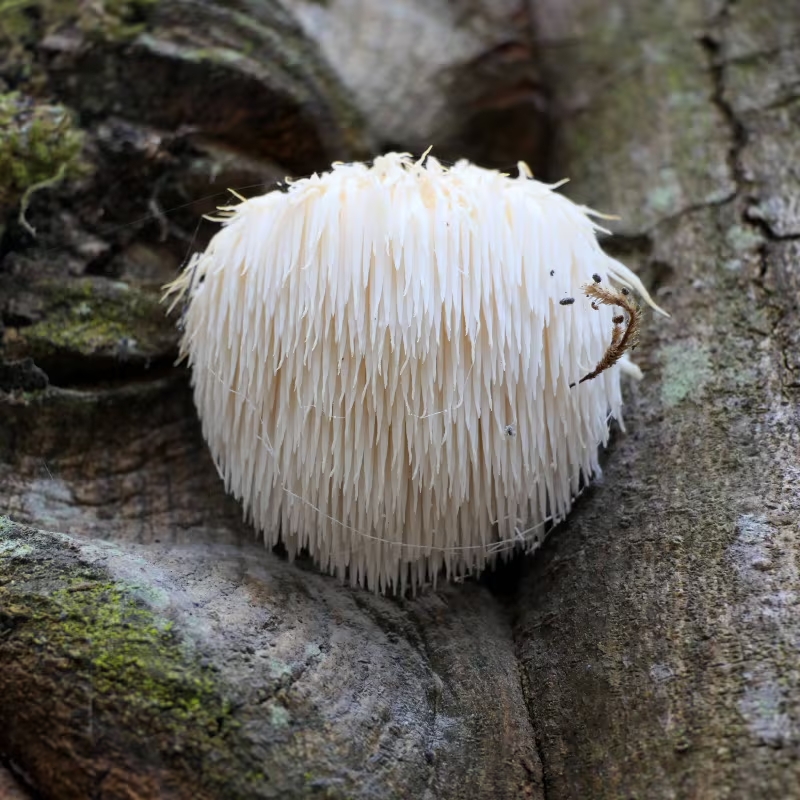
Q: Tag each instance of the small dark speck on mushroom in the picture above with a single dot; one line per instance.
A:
(567, 301)
(552, 272)
(619, 319)
(625, 291)
(596, 278)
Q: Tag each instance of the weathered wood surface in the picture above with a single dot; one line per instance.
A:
(659, 632)
(649, 650)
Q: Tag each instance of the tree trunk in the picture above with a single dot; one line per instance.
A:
(151, 648)
(658, 632)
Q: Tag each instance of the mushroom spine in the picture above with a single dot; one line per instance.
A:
(387, 362)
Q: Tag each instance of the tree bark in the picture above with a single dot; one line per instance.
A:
(658, 630)
(152, 648)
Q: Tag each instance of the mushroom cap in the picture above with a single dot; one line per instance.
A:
(383, 365)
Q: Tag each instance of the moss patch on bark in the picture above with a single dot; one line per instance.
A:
(39, 145)
(125, 682)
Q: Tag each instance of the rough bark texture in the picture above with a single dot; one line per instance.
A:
(658, 632)
(10, 787)
(152, 648)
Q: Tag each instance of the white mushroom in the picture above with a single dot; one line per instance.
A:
(386, 372)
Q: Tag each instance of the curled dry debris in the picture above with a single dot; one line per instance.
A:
(624, 334)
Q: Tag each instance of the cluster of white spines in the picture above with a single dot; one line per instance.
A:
(382, 364)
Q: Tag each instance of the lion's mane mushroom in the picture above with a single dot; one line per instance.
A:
(386, 361)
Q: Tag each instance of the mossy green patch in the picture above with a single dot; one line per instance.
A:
(97, 318)
(23, 21)
(39, 145)
(129, 647)
(129, 652)
(118, 19)
(62, 615)
(15, 549)
(25, 24)
(666, 194)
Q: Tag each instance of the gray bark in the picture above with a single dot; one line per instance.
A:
(658, 633)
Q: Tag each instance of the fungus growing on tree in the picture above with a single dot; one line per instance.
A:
(397, 366)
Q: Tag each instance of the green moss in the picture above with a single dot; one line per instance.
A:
(132, 654)
(72, 631)
(61, 614)
(121, 19)
(24, 24)
(16, 549)
(88, 318)
(22, 21)
(39, 144)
